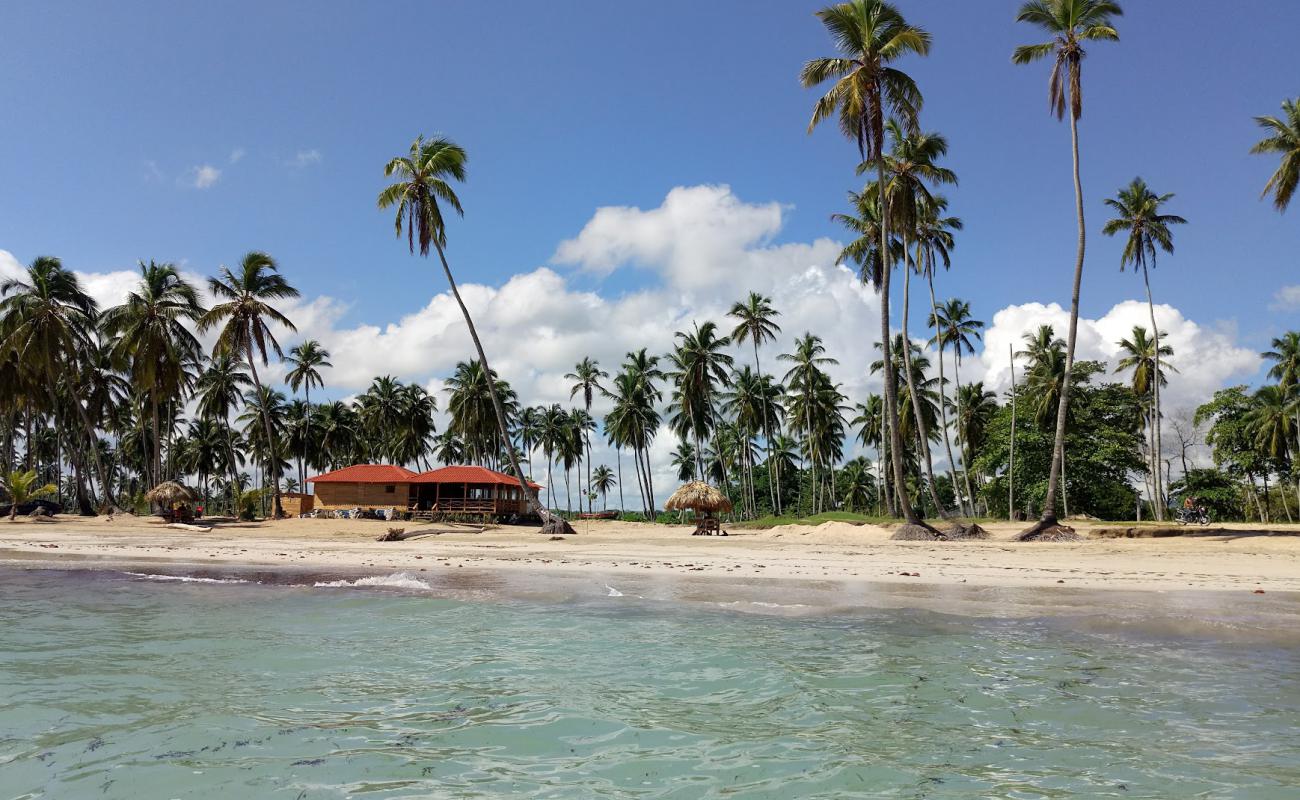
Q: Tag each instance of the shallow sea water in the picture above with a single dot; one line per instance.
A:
(115, 685)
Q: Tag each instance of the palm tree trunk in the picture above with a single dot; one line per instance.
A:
(502, 428)
(1155, 392)
(891, 389)
(966, 450)
(618, 455)
(157, 436)
(1062, 409)
(272, 458)
(943, 395)
(767, 433)
(923, 435)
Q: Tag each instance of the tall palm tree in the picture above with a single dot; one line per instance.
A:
(634, 419)
(586, 377)
(150, 334)
(306, 360)
(701, 368)
(602, 480)
(1070, 23)
(47, 319)
(1046, 372)
(870, 35)
(1284, 138)
(1141, 354)
(1138, 210)
(803, 381)
(910, 165)
(955, 327)
(756, 323)
(241, 315)
(424, 178)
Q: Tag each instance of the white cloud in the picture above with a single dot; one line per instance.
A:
(304, 158)
(237, 155)
(203, 176)
(1286, 299)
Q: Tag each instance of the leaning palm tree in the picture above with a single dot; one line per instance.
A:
(1070, 23)
(871, 35)
(306, 360)
(1284, 138)
(241, 315)
(150, 334)
(424, 177)
(22, 488)
(1148, 231)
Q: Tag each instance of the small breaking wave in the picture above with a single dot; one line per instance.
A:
(398, 580)
(613, 592)
(150, 576)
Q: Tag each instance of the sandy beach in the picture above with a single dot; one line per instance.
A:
(1244, 559)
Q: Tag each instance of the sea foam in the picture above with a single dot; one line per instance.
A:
(398, 580)
(149, 576)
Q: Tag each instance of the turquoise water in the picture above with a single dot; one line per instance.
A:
(120, 686)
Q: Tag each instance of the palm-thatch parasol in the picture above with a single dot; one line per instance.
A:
(698, 496)
(168, 493)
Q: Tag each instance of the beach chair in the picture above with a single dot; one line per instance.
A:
(708, 525)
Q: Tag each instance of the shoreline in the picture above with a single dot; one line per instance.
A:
(1243, 560)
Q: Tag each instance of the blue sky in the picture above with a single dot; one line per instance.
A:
(566, 107)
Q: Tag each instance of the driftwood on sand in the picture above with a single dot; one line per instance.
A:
(401, 534)
(181, 526)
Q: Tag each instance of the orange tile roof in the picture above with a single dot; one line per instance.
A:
(366, 473)
(467, 474)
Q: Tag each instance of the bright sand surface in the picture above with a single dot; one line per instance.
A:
(1246, 558)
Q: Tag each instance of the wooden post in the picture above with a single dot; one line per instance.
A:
(1011, 459)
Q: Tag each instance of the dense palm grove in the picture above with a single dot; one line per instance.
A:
(105, 403)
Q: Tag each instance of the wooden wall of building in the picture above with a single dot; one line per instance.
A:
(361, 495)
(295, 504)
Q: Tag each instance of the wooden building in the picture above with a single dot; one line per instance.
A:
(447, 490)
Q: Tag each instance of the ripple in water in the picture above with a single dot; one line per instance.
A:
(143, 688)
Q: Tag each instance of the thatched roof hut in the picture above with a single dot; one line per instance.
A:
(698, 496)
(169, 493)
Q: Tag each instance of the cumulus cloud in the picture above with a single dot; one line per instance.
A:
(1286, 299)
(304, 158)
(203, 176)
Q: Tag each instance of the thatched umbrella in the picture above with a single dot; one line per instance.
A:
(168, 493)
(698, 496)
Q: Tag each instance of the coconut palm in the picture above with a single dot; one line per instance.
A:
(306, 360)
(1285, 356)
(700, 370)
(221, 388)
(956, 328)
(150, 334)
(1138, 210)
(756, 323)
(1141, 354)
(46, 319)
(910, 167)
(870, 35)
(240, 318)
(1070, 23)
(803, 381)
(22, 488)
(857, 485)
(602, 480)
(1046, 371)
(424, 179)
(586, 377)
(1284, 138)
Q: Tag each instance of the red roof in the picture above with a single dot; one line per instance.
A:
(366, 473)
(470, 474)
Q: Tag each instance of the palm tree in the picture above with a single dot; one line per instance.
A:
(586, 377)
(424, 177)
(1046, 372)
(242, 317)
(975, 410)
(909, 166)
(803, 380)
(22, 488)
(1070, 23)
(634, 420)
(1142, 356)
(1284, 138)
(220, 389)
(870, 35)
(700, 369)
(45, 320)
(857, 484)
(602, 480)
(1138, 210)
(306, 360)
(1285, 356)
(870, 422)
(956, 328)
(150, 334)
(756, 322)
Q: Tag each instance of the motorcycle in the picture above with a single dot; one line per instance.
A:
(1194, 516)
